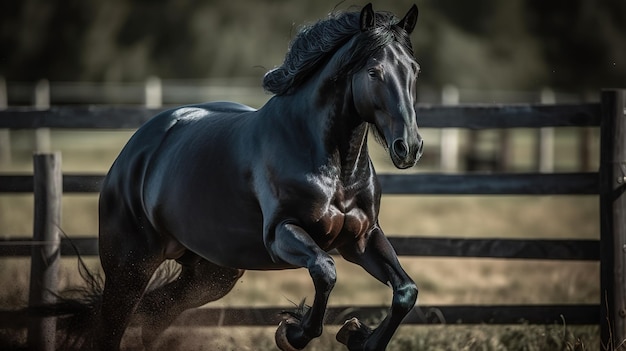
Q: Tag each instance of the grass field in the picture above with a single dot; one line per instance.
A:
(441, 280)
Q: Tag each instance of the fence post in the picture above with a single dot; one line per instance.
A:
(5, 134)
(42, 102)
(46, 249)
(613, 219)
(585, 137)
(449, 144)
(545, 138)
(154, 92)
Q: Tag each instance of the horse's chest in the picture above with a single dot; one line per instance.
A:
(335, 210)
(353, 222)
(341, 221)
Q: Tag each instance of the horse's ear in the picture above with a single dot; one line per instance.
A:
(409, 20)
(368, 17)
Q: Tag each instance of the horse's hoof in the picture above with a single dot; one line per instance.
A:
(353, 334)
(281, 335)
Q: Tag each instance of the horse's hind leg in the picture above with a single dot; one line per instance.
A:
(123, 288)
(199, 282)
(129, 257)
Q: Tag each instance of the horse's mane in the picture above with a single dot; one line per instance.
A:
(314, 44)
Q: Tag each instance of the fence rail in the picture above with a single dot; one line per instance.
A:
(541, 249)
(606, 182)
(394, 184)
(475, 116)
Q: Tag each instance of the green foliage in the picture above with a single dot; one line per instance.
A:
(572, 45)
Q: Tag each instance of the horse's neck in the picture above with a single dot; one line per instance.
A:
(345, 134)
(323, 108)
(354, 154)
(326, 111)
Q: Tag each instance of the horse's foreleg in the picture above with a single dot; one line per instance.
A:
(380, 260)
(295, 247)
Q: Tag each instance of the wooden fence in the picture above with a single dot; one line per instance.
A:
(608, 183)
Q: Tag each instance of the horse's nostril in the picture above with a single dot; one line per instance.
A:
(400, 148)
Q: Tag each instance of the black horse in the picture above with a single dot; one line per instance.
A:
(222, 188)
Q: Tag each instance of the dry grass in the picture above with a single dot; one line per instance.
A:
(432, 338)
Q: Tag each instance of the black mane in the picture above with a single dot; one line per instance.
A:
(314, 44)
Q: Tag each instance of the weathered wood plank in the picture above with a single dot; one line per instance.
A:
(582, 250)
(17, 183)
(72, 183)
(17, 246)
(398, 184)
(462, 116)
(77, 117)
(83, 183)
(508, 116)
(490, 184)
(613, 217)
(45, 259)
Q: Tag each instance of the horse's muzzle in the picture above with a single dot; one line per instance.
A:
(405, 156)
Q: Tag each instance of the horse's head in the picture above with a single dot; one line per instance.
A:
(384, 89)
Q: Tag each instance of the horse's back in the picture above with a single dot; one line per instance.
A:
(181, 172)
(133, 161)
(224, 106)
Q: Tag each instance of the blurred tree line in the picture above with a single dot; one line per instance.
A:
(571, 45)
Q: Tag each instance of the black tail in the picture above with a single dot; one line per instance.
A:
(77, 311)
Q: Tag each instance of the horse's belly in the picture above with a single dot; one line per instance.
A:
(225, 237)
(236, 250)
(208, 217)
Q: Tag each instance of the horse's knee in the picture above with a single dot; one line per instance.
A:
(323, 273)
(404, 297)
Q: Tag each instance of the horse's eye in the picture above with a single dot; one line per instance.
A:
(374, 73)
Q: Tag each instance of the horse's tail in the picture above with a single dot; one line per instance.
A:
(82, 307)
(77, 311)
